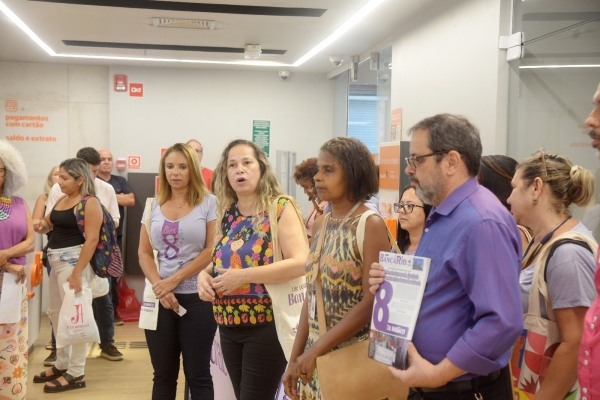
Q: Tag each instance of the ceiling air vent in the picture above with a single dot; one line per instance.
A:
(182, 23)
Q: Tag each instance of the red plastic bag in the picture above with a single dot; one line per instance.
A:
(129, 305)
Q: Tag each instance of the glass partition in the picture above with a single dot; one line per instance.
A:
(551, 87)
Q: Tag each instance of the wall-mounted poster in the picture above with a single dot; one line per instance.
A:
(389, 165)
(261, 134)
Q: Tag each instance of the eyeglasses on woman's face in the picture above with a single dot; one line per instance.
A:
(406, 207)
(415, 161)
(2, 172)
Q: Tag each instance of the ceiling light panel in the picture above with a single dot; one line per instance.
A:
(183, 23)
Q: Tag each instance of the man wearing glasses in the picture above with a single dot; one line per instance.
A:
(471, 313)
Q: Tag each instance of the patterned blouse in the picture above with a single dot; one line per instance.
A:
(244, 247)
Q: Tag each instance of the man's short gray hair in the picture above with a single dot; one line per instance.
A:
(453, 132)
(15, 176)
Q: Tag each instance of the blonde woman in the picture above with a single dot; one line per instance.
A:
(243, 262)
(544, 186)
(182, 225)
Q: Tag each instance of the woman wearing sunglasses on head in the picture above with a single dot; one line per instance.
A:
(544, 186)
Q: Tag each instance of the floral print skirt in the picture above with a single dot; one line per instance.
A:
(13, 354)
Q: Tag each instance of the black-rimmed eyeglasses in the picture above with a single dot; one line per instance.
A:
(406, 207)
(415, 161)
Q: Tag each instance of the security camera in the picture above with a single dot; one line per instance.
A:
(336, 59)
(284, 75)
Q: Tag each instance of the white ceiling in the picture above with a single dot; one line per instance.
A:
(54, 22)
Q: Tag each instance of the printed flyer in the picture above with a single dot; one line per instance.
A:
(396, 307)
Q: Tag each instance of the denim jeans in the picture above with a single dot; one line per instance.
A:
(63, 261)
(254, 359)
(104, 316)
(191, 336)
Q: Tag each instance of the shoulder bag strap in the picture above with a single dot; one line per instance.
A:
(539, 284)
(316, 277)
(525, 232)
(148, 211)
(360, 233)
(272, 214)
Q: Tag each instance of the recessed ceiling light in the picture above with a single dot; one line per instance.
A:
(182, 23)
(252, 51)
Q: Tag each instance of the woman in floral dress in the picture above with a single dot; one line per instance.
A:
(16, 240)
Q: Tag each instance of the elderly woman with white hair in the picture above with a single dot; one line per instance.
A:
(16, 241)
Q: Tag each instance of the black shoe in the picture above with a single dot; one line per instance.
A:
(111, 353)
(51, 359)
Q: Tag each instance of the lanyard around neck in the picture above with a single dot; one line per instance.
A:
(542, 242)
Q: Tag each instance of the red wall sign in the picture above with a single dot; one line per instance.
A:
(120, 83)
(136, 89)
(134, 162)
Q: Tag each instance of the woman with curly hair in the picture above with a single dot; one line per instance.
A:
(16, 241)
(544, 187)
(250, 206)
(304, 176)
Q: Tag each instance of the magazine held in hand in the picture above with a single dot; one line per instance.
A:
(396, 307)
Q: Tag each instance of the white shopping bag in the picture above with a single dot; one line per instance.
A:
(149, 310)
(76, 323)
(10, 301)
(100, 286)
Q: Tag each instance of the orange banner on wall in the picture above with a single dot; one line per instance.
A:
(389, 166)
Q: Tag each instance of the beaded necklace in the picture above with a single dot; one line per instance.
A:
(5, 207)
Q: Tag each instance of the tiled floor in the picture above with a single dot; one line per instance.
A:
(114, 380)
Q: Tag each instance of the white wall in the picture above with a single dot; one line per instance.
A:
(216, 107)
(446, 59)
(75, 101)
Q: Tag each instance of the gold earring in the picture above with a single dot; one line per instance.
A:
(535, 202)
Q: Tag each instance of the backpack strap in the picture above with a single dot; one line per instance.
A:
(583, 244)
(79, 213)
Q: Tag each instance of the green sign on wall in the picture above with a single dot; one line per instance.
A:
(261, 134)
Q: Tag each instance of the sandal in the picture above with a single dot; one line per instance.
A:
(72, 383)
(43, 377)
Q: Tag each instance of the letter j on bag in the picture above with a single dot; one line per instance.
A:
(78, 314)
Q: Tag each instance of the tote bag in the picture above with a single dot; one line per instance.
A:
(76, 323)
(287, 297)
(535, 347)
(149, 309)
(363, 378)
